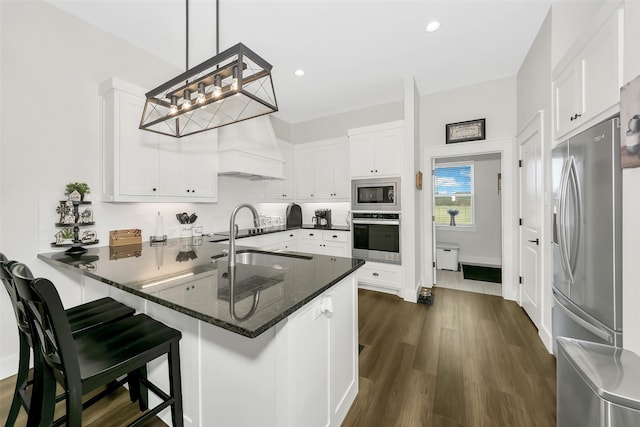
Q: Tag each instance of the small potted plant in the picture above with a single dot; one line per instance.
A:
(80, 188)
(64, 236)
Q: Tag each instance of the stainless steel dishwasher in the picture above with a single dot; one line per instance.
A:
(598, 385)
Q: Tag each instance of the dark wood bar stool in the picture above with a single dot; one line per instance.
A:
(81, 318)
(95, 358)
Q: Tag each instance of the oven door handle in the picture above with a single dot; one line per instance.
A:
(376, 221)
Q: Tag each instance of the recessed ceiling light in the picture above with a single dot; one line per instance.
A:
(299, 72)
(432, 26)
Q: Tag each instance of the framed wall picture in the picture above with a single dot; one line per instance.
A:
(472, 130)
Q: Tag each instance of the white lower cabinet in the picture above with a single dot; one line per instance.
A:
(290, 240)
(325, 242)
(310, 360)
(380, 276)
(268, 242)
(323, 345)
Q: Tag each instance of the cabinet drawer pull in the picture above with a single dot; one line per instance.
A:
(154, 189)
(376, 274)
(310, 234)
(334, 236)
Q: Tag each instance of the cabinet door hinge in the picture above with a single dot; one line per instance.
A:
(519, 163)
(520, 279)
(519, 221)
(433, 218)
(434, 264)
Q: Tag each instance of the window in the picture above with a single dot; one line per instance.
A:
(453, 193)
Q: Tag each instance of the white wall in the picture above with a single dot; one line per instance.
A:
(52, 65)
(630, 199)
(570, 20)
(481, 243)
(494, 100)
(534, 95)
(338, 124)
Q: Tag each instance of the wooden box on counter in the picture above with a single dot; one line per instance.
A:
(131, 236)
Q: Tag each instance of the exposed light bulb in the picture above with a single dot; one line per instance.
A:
(299, 72)
(201, 94)
(234, 82)
(217, 86)
(453, 198)
(187, 99)
(174, 106)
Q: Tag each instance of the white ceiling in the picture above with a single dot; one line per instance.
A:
(355, 53)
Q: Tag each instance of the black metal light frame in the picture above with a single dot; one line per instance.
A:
(244, 91)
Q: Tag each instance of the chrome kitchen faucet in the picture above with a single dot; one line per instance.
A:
(232, 230)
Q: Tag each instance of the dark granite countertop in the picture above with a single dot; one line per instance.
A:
(187, 278)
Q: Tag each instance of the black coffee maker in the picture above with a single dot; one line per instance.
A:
(322, 218)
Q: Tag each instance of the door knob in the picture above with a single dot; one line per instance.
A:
(537, 241)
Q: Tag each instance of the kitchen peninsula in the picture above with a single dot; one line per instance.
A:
(271, 342)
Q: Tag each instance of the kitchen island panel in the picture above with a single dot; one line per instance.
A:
(279, 378)
(250, 355)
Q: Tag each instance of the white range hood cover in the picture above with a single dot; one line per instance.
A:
(249, 149)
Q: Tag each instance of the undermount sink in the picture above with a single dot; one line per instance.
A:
(275, 260)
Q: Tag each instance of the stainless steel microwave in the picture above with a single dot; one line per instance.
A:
(377, 194)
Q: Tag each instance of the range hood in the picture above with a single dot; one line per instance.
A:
(249, 150)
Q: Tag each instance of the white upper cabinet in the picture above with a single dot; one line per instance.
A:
(586, 84)
(331, 172)
(376, 150)
(304, 173)
(282, 189)
(142, 166)
(322, 171)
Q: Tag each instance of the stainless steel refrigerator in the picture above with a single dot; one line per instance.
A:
(587, 228)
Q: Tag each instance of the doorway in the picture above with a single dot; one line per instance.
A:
(468, 223)
(508, 208)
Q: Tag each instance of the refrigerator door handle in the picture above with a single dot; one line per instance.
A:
(562, 234)
(573, 253)
(583, 323)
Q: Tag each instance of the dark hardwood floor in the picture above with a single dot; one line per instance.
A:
(468, 360)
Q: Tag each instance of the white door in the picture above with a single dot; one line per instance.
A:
(531, 211)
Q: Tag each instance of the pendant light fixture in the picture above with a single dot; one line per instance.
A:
(232, 86)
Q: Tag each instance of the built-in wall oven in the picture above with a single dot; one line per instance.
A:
(376, 236)
(377, 194)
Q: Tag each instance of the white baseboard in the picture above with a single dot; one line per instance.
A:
(547, 339)
(8, 366)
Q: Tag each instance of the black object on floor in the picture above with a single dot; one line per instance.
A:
(360, 348)
(425, 296)
(482, 273)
